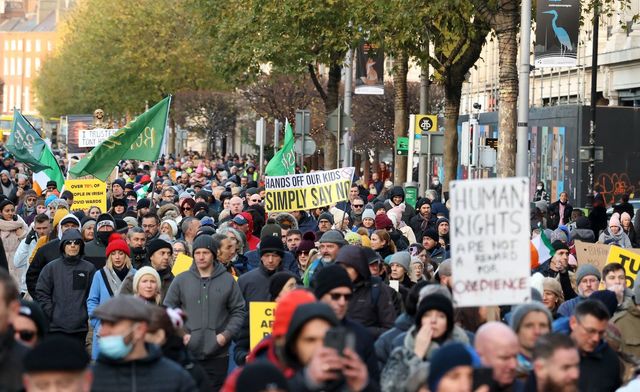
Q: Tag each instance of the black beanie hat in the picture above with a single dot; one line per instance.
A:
(33, 311)
(436, 302)
(261, 376)
(329, 278)
(119, 202)
(557, 245)
(56, 353)
(431, 233)
(143, 203)
(271, 244)
(156, 245)
(278, 280)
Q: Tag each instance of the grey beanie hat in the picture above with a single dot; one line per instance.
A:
(521, 311)
(368, 213)
(333, 237)
(206, 242)
(586, 270)
(401, 258)
(434, 289)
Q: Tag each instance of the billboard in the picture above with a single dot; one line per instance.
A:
(557, 27)
(370, 69)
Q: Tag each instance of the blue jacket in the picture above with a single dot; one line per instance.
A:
(289, 262)
(384, 344)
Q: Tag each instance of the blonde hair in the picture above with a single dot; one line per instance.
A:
(127, 261)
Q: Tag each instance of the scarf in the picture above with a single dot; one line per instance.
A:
(6, 188)
(12, 232)
(113, 280)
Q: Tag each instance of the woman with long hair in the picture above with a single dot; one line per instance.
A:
(381, 242)
(12, 230)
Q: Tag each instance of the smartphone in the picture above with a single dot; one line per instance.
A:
(340, 338)
(482, 376)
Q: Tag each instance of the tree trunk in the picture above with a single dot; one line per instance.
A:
(401, 113)
(506, 27)
(453, 92)
(330, 104)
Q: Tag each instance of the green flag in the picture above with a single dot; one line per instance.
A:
(284, 161)
(141, 139)
(25, 143)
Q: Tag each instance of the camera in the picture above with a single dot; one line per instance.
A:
(477, 106)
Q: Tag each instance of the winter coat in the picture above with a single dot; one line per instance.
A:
(439, 254)
(628, 322)
(599, 370)
(409, 211)
(11, 356)
(21, 258)
(44, 255)
(254, 285)
(554, 214)
(307, 223)
(364, 348)
(11, 233)
(632, 236)
(62, 290)
(289, 262)
(384, 343)
(151, 373)
(95, 251)
(404, 366)
(621, 239)
(214, 305)
(99, 294)
(419, 224)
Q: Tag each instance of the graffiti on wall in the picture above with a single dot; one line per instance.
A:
(615, 185)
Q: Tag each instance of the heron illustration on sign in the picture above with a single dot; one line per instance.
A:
(561, 33)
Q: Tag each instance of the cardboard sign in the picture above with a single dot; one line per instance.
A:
(490, 242)
(594, 254)
(87, 193)
(261, 316)
(307, 191)
(182, 263)
(629, 260)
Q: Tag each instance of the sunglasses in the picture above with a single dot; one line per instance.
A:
(26, 336)
(358, 205)
(186, 208)
(303, 252)
(73, 242)
(337, 296)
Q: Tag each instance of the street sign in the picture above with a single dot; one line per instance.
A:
(402, 146)
(309, 146)
(303, 122)
(426, 123)
(338, 122)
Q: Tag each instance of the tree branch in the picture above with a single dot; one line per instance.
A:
(316, 82)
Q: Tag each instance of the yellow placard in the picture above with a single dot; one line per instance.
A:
(283, 200)
(426, 123)
(182, 263)
(629, 260)
(261, 316)
(87, 192)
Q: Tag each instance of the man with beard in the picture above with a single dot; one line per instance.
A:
(556, 365)
(151, 226)
(137, 241)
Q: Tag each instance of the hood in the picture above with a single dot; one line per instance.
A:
(302, 315)
(585, 235)
(354, 257)
(68, 216)
(71, 234)
(285, 217)
(396, 191)
(249, 219)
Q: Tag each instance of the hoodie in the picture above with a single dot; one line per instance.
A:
(214, 305)
(96, 248)
(409, 211)
(63, 287)
(252, 240)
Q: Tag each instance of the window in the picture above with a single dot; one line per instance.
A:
(18, 97)
(12, 97)
(49, 46)
(13, 44)
(27, 67)
(5, 70)
(28, 45)
(20, 45)
(37, 45)
(19, 66)
(37, 65)
(12, 66)
(6, 46)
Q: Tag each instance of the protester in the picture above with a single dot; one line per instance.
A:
(12, 230)
(41, 228)
(529, 322)
(497, 346)
(30, 325)
(556, 365)
(11, 351)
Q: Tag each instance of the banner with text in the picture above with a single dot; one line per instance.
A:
(630, 262)
(307, 191)
(87, 193)
(261, 315)
(490, 241)
(93, 137)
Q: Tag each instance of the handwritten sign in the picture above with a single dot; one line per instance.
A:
(594, 254)
(490, 241)
(182, 263)
(93, 137)
(261, 316)
(630, 262)
(87, 193)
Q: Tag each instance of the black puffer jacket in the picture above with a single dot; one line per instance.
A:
(370, 304)
(409, 211)
(95, 251)
(151, 373)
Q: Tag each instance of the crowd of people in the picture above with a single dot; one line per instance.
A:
(362, 291)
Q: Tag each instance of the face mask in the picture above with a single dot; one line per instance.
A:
(539, 187)
(114, 346)
(104, 236)
(436, 182)
(139, 250)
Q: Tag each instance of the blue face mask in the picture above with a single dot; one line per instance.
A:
(114, 346)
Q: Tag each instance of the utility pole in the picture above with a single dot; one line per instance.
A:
(424, 164)
(276, 135)
(594, 97)
(522, 132)
(260, 135)
(348, 81)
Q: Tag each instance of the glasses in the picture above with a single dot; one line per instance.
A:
(26, 336)
(592, 331)
(256, 200)
(358, 205)
(303, 252)
(73, 242)
(337, 296)
(186, 208)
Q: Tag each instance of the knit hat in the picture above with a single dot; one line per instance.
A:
(431, 233)
(432, 289)
(583, 223)
(205, 242)
(327, 216)
(116, 242)
(130, 221)
(557, 245)
(146, 270)
(586, 270)
(271, 228)
(615, 220)
(522, 310)
(382, 221)
(403, 259)
(49, 199)
(625, 215)
(119, 203)
(329, 278)
(608, 298)
(447, 358)
(333, 237)
(118, 181)
(285, 308)
(271, 244)
(105, 220)
(49, 183)
(143, 203)
(33, 311)
(435, 302)
(278, 280)
(353, 238)
(307, 243)
(551, 284)
(55, 354)
(155, 245)
(261, 376)
(368, 213)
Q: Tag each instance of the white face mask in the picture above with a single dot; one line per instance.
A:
(539, 187)
(436, 182)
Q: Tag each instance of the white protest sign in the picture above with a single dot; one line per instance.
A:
(490, 241)
(93, 137)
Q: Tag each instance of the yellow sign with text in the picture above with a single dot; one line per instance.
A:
(307, 191)
(182, 263)
(629, 260)
(261, 316)
(87, 193)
